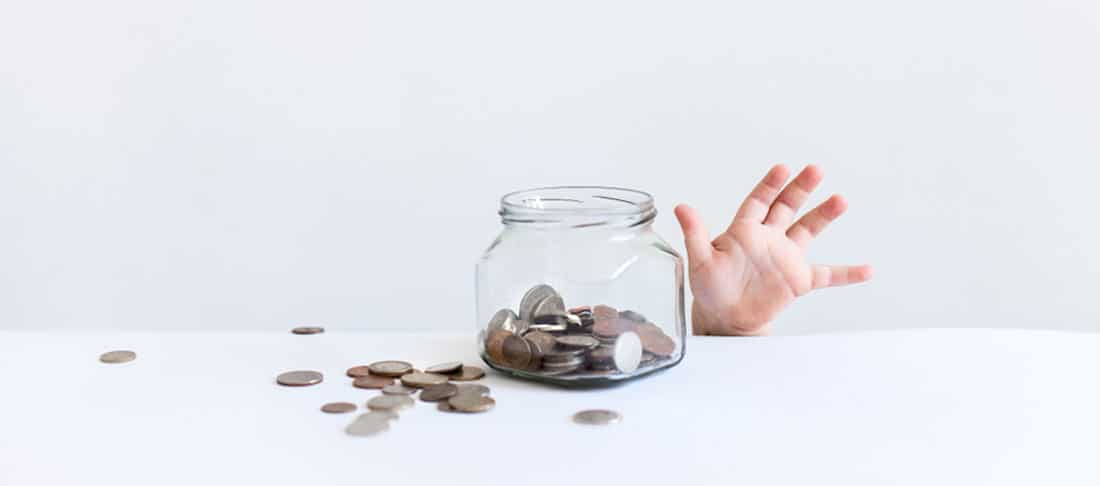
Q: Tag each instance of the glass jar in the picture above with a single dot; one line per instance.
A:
(578, 289)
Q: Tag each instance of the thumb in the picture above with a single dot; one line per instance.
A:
(696, 237)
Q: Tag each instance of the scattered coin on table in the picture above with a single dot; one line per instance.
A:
(475, 388)
(116, 357)
(372, 382)
(421, 380)
(305, 330)
(370, 423)
(435, 393)
(444, 368)
(471, 403)
(390, 402)
(358, 371)
(390, 368)
(467, 373)
(299, 378)
(596, 417)
(338, 407)
(398, 389)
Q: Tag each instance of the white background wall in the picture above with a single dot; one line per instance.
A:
(264, 164)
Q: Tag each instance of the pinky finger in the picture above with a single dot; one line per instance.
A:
(836, 275)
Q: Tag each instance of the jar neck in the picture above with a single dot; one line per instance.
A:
(641, 220)
(577, 207)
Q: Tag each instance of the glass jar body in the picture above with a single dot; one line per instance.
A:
(580, 305)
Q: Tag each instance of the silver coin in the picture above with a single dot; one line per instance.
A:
(390, 402)
(628, 352)
(474, 388)
(299, 378)
(597, 417)
(552, 327)
(398, 389)
(390, 368)
(504, 319)
(444, 368)
(368, 424)
(551, 305)
(421, 380)
(577, 341)
(436, 393)
(530, 299)
(470, 403)
(521, 327)
(116, 357)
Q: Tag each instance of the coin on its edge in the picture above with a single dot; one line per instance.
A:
(115, 357)
(597, 417)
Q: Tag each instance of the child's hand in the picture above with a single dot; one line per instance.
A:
(748, 274)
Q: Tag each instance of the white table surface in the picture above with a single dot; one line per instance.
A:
(907, 407)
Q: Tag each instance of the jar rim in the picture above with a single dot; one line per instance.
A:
(578, 206)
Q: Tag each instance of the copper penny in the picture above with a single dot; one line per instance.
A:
(358, 371)
(305, 330)
(517, 352)
(494, 345)
(338, 407)
(435, 393)
(468, 373)
(656, 342)
(372, 382)
(604, 313)
(299, 378)
(612, 328)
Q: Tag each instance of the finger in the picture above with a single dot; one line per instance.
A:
(814, 222)
(835, 276)
(793, 197)
(696, 237)
(755, 207)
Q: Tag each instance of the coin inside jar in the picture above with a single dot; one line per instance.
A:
(628, 352)
(421, 380)
(577, 341)
(503, 320)
(517, 352)
(435, 393)
(372, 382)
(390, 368)
(494, 345)
(470, 403)
(299, 378)
(530, 299)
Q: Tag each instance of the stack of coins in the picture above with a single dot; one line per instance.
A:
(546, 338)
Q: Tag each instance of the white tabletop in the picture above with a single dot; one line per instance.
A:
(910, 407)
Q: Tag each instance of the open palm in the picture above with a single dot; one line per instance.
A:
(743, 278)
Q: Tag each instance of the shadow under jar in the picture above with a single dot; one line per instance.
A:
(578, 289)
